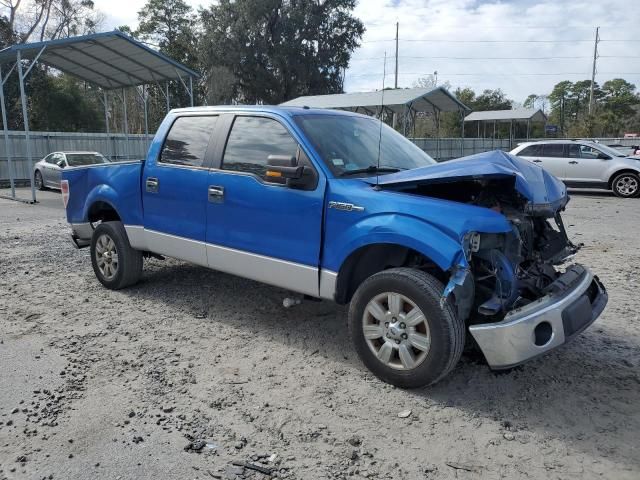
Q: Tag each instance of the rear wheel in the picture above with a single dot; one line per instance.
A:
(115, 263)
(626, 185)
(401, 332)
(37, 177)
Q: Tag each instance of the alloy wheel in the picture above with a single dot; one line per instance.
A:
(396, 331)
(627, 185)
(107, 256)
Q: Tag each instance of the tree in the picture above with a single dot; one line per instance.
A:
(277, 49)
(492, 100)
(619, 97)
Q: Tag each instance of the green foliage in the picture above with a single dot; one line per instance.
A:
(614, 108)
(277, 50)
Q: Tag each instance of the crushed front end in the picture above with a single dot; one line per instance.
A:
(517, 290)
(528, 298)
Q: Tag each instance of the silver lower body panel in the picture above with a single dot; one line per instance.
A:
(545, 324)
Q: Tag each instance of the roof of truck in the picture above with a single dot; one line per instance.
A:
(283, 110)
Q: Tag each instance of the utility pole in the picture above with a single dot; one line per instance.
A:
(397, 28)
(593, 72)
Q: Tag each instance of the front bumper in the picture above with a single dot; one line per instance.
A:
(575, 300)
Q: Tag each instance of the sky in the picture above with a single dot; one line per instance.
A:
(520, 46)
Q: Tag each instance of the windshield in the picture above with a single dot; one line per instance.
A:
(79, 159)
(351, 144)
(608, 150)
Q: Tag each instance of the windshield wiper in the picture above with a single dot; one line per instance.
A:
(370, 169)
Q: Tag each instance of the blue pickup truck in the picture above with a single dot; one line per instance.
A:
(337, 206)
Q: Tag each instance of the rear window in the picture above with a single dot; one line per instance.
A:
(531, 151)
(79, 159)
(553, 150)
(187, 141)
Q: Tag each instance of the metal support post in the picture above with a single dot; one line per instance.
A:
(125, 122)
(191, 89)
(166, 87)
(6, 135)
(25, 116)
(105, 101)
(461, 132)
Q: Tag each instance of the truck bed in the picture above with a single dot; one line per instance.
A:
(117, 184)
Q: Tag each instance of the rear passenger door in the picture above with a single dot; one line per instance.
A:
(552, 159)
(174, 190)
(258, 228)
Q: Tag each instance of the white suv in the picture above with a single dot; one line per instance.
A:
(585, 164)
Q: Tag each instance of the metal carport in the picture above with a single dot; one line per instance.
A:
(524, 115)
(110, 60)
(403, 102)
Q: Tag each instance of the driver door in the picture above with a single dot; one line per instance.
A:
(258, 228)
(587, 164)
(52, 171)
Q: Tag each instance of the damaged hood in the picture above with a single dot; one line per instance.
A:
(544, 192)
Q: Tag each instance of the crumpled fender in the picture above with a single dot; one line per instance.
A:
(396, 229)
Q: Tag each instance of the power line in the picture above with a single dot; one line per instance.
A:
(437, 57)
(444, 40)
(496, 74)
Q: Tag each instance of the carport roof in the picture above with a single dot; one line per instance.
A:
(110, 60)
(419, 99)
(517, 114)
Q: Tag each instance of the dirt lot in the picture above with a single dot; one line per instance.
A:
(96, 384)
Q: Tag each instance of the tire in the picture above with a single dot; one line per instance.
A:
(110, 239)
(37, 179)
(434, 340)
(626, 185)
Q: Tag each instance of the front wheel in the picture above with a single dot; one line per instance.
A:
(115, 263)
(37, 177)
(400, 330)
(626, 185)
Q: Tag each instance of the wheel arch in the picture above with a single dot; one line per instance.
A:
(618, 172)
(101, 210)
(372, 258)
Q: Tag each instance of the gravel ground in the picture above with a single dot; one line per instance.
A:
(192, 370)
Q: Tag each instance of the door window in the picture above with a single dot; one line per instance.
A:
(252, 140)
(531, 151)
(553, 150)
(589, 152)
(574, 151)
(187, 141)
(54, 158)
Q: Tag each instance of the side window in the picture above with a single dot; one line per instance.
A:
(187, 141)
(574, 151)
(252, 140)
(53, 158)
(530, 151)
(553, 150)
(588, 152)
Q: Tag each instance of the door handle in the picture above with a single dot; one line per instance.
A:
(537, 161)
(152, 185)
(573, 162)
(215, 193)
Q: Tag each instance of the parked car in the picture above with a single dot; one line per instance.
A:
(334, 205)
(46, 172)
(585, 164)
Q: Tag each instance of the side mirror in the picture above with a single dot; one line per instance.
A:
(60, 163)
(602, 156)
(283, 167)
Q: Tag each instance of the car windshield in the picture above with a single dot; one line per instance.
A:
(357, 145)
(79, 159)
(608, 150)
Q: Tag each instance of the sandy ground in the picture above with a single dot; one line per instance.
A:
(191, 370)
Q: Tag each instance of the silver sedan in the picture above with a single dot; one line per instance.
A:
(47, 172)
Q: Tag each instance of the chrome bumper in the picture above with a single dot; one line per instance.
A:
(81, 234)
(577, 298)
